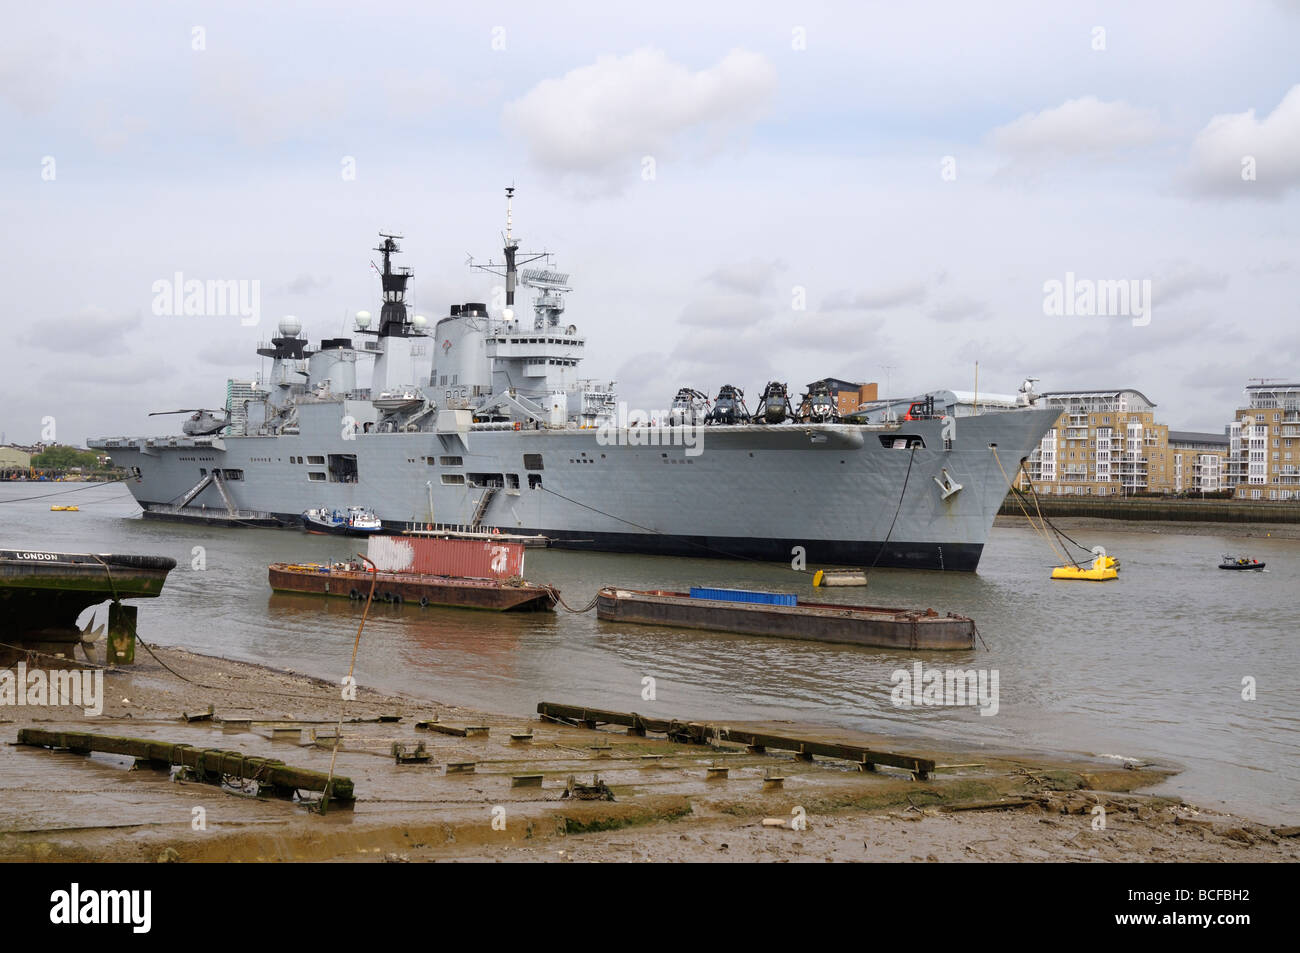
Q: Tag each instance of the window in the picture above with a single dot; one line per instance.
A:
(451, 461)
(533, 461)
(512, 480)
(429, 461)
(343, 468)
(534, 481)
(232, 474)
(316, 461)
(315, 477)
(453, 479)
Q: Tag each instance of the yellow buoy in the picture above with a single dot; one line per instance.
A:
(1103, 568)
(64, 509)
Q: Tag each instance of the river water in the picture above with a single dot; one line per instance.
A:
(1149, 667)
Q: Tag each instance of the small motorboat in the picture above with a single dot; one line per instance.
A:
(65, 509)
(354, 521)
(1240, 563)
(1103, 568)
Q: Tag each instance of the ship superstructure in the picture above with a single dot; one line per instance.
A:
(484, 422)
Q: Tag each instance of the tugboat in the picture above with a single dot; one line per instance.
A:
(355, 521)
(1240, 563)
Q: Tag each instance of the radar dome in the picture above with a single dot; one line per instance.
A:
(419, 321)
(508, 314)
(290, 326)
(363, 319)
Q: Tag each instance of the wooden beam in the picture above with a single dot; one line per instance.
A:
(700, 733)
(209, 762)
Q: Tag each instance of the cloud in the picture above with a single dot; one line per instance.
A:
(1183, 279)
(958, 309)
(123, 375)
(843, 334)
(876, 299)
(92, 331)
(30, 72)
(228, 354)
(1078, 127)
(1280, 266)
(599, 121)
(265, 111)
(1220, 154)
(305, 284)
(752, 277)
(730, 311)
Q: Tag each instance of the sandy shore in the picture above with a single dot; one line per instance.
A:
(980, 805)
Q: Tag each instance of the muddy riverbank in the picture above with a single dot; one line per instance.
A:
(979, 805)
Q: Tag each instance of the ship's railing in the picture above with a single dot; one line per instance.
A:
(209, 511)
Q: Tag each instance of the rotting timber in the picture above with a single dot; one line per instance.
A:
(700, 733)
(210, 765)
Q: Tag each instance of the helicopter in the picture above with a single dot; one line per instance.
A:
(729, 408)
(203, 423)
(690, 407)
(818, 406)
(774, 405)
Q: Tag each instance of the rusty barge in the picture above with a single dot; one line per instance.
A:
(467, 574)
(869, 626)
(352, 581)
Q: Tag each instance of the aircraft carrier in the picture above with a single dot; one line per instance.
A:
(482, 422)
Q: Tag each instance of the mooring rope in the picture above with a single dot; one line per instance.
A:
(1056, 529)
(87, 486)
(555, 594)
(898, 509)
(1032, 525)
(356, 644)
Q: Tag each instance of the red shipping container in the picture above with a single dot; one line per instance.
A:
(458, 558)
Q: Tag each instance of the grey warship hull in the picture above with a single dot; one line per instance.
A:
(833, 493)
(481, 421)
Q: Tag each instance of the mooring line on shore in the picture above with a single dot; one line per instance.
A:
(350, 682)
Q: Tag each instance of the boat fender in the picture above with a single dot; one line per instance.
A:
(518, 425)
(817, 578)
(424, 602)
(354, 595)
(397, 599)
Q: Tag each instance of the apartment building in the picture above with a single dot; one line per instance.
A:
(1199, 461)
(1105, 443)
(1263, 458)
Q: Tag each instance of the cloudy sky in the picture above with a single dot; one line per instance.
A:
(742, 192)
